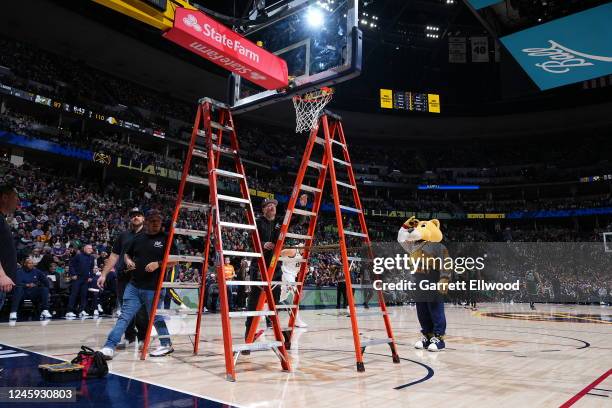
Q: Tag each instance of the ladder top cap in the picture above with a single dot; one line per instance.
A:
(331, 114)
(213, 102)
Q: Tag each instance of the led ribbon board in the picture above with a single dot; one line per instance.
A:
(208, 38)
(567, 50)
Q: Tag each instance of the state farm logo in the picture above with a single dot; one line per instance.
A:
(235, 45)
(191, 21)
(562, 59)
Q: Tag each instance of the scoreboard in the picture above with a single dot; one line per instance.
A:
(409, 101)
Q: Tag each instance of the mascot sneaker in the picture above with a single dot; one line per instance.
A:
(423, 343)
(436, 344)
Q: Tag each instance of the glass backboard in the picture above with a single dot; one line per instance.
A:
(319, 40)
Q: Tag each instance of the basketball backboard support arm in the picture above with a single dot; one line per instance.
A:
(316, 55)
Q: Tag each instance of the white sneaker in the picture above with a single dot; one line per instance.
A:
(183, 306)
(100, 308)
(83, 314)
(162, 351)
(13, 316)
(108, 353)
(70, 315)
(96, 313)
(300, 323)
(45, 314)
(118, 313)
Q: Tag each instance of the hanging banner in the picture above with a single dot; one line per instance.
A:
(386, 98)
(478, 4)
(217, 43)
(456, 50)
(480, 49)
(567, 50)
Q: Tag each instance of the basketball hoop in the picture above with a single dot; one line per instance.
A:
(308, 107)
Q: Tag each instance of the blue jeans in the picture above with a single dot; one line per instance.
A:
(133, 299)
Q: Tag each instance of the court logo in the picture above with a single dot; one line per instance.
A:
(562, 59)
(552, 317)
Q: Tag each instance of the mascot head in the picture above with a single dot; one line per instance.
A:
(419, 231)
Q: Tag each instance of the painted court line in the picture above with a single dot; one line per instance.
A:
(586, 390)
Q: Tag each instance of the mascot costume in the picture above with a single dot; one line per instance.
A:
(421, 239)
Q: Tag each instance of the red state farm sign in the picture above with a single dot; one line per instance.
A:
(204, 36)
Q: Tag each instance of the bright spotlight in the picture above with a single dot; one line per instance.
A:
(315, 17)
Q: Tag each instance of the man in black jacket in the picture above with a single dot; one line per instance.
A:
(32, 284)
(81, 273)
(9, 200)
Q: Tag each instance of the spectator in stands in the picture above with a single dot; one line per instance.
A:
(9, 200)
(81, 273)
(31, 284)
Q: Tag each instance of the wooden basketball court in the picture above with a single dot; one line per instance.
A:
(501, 355)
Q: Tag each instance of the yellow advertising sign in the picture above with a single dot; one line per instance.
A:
(386, 98)
(434, 102)
(495, 216)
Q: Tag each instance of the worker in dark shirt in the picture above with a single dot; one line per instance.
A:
(146, 253)
(81, 273)
(31, 284)
(269, 229)
(9, 201)
(137, 327)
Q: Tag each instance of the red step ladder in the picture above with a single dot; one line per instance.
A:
(214, 123)
(333, 136)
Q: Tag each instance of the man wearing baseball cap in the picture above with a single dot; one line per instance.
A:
(144, 257)
(137, 326)
(269, 229)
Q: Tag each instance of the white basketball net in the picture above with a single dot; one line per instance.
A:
(308, 107)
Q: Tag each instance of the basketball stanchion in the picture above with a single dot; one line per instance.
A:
(309, 117)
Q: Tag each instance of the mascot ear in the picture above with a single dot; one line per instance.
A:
(411, 222)
(436, 222)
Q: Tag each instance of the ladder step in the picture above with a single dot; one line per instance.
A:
(258, 283)
(283, 307)
(250, 313)
(224, 150)
(355, 259)
(339, 143)
(257, 346)
(343, 184)
(374, 313)
(310, 188)
(342, 162)
(176, 312)
(190, 232)
(351, 209)
(304, 212)
(201, 133)
(289, 259)
(213, 102)
(297, 236)
(229, 174)
(320, 140)
(186, 258)
(181, 285)
(356, 234)
(199, 153)
(232, 199)
(217, 125)
(241, 253)
(373, 342)
(197, 180)
(194, 206)
(315, 165)
(237, 225)
(361, 286)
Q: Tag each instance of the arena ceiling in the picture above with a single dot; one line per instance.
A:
(102, 38)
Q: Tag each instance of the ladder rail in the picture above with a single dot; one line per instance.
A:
(196, 345)
(175, 214)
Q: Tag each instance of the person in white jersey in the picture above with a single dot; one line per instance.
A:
(290, 270)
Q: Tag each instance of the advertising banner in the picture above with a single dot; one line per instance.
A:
(567, 50)
(210, 39)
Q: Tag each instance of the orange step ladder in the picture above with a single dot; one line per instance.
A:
(214, 123)
(333, 136)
